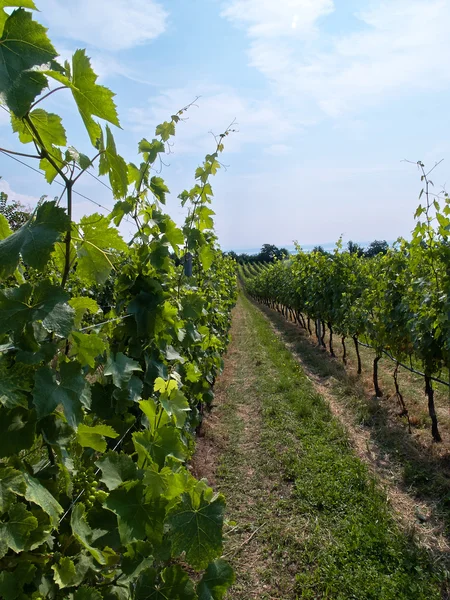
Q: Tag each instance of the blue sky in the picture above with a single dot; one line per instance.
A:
(329, 98)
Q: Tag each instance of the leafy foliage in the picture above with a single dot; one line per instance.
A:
(397, 299)
(108, 351)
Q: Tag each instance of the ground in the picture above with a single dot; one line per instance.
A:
(315, 506)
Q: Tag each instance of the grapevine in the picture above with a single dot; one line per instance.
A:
(108, 352)
(399, 301)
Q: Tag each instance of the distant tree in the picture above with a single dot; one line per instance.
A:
(15, 212)
(284, 253)
(376, 247)
(319, 249)
(355, 248)
(232, 255)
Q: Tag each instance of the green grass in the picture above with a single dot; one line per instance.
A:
(332, 535)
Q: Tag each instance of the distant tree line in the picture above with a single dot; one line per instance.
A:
(268, 253)
(374, 248)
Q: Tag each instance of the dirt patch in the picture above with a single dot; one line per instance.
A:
(419, 517)
(229, 456)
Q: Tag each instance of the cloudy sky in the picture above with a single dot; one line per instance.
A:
(329, 97)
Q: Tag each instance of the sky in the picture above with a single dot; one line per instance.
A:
(331, 99)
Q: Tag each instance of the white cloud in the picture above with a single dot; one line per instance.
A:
(278, 150)
(268, 19)
(400, 47)
(257, 121)
(108, 24)
(14, 196)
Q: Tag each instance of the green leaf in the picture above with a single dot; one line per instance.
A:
(165, 130)
(121, 368)
(48, 167)
(83, 532)
(116, 469)
(164, 482)
(172, 583)
(13, 3)
(96, 248)
(196, 528)
(15, 532)
(163, 443)
(92, 99)
(45, 302)
(34, 240)
(5, 229)
(159, 188)
(14, 383)
(70, 392)
(139, 515)
(83, 161)
(24, 44)
(48, 126)
(87, 593)
(12, 583)
(64, 572)
(86, 347)
(37, 493)
(216, 580)
(206, 256)
(173, 234)
(176, 405)
(114, 165)
(11, 484)
(93, 437)
(81, 305)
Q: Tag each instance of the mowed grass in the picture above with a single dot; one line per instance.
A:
(329, 529)
(420, 466)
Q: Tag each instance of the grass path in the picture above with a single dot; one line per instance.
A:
(306, 517)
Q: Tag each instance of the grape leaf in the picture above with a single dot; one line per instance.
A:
(172, 582)
(16, 531)
(83, 532)
(11, 483)
(116, 469)
(86, 347)
(5, 229)
(24, 44)
(81, 160)
(34, 240)
(196, 528)
(70, 391)
(64, 572)
(159, 188)
(216, 580)
(48, 125)
(165, 130)
(139, 516)
(206, 256)
(93, 437)
(95, 248)
(12, 583)
(176, 405)
(13, 3)
(114, 165)
(37, 493)
(92, 99)
(87, 593)
(81, 305)
(158, 446)
(44, 302)
(121, 368)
